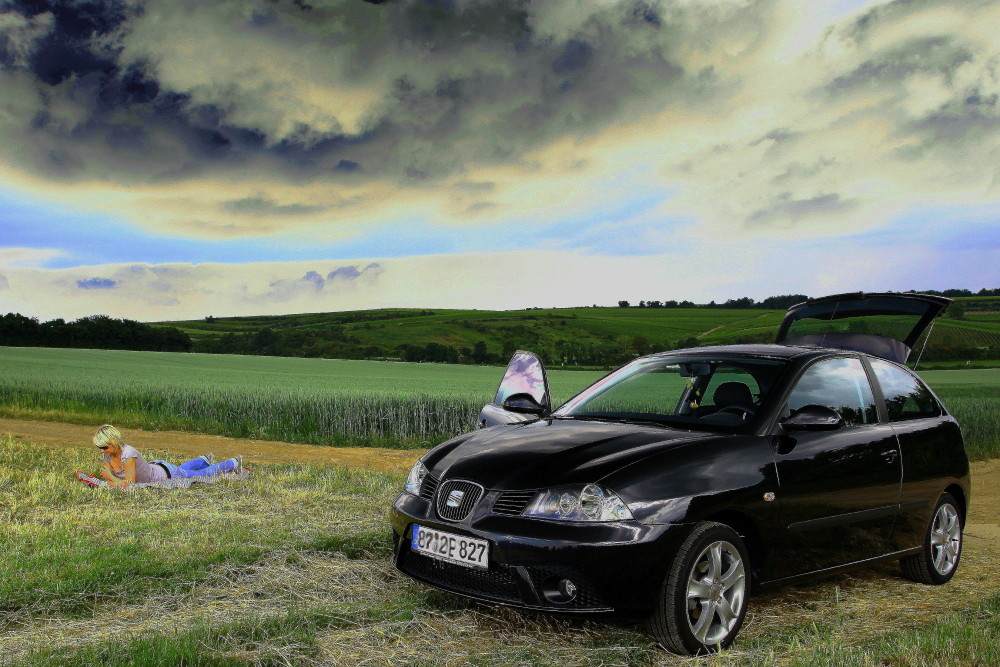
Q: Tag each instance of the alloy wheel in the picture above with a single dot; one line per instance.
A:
(716, 590)
(946, 539)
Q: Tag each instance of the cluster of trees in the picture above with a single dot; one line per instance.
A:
(335, 342)
(782, 302)
(961, 292)
(330, 342)
(94, 332)
(785, 301)
(659, 304)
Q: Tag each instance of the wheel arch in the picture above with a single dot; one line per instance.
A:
(752, 537)
(958, 493)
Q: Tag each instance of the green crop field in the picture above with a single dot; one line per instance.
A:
(317, 401)
(329, 402)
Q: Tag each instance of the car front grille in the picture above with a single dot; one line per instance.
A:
(496, 583)
(512, 503)
(428, 487)
(456, 498)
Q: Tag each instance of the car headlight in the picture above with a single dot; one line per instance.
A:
(415, 478)
(575, 503)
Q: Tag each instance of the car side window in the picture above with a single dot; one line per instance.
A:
(840, 384)
(906, 397)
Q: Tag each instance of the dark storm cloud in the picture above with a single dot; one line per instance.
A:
(787, 208)
(927, 54)
(100, 96)
(943, 54)
(96, 283)
(259, 206)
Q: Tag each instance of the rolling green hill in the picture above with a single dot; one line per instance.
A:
(562, 336)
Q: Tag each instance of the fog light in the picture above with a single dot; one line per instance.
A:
(559, 591)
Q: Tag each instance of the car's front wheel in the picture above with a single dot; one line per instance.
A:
(938, 560)
(703, 600)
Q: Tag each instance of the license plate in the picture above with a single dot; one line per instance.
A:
(465, 551)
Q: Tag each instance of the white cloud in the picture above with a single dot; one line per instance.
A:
(27, 256)
(728, 269)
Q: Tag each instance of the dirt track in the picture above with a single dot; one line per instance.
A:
(178, 444)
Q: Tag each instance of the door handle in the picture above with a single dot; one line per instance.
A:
(890, 455)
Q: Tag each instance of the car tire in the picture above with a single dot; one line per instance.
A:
(709, 575)
(942, 549)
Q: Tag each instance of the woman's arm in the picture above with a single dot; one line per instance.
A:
(128, 468)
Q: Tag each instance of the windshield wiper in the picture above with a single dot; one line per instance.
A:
(615, 420)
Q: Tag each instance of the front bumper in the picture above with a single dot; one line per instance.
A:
(615, 567)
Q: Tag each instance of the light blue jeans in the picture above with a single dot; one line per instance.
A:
(199, 468)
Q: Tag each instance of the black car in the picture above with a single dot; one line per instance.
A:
(680, 483)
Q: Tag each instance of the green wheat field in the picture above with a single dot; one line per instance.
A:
(292, 567)
(329, 402)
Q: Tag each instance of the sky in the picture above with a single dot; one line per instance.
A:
(175, 159)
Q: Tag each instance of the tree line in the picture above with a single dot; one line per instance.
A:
(785, 301)
(782, 302)
(552, 336)
(93, 332)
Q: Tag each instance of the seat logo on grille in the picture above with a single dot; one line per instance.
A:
(455, 498)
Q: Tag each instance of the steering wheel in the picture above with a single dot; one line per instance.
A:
(744, 413)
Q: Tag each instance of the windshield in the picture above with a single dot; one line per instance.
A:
(685, 391)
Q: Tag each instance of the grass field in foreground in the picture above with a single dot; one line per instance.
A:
(329, 402)
(292, 568)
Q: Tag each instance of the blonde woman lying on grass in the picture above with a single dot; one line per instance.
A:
(124, 465)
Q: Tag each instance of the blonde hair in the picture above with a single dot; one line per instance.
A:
(108, 435)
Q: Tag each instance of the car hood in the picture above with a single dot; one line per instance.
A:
(550, 452)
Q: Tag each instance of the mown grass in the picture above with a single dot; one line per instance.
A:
(292, 568)
(65, 547)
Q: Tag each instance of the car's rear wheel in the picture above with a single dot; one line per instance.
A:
(942, 549)
(703, 600)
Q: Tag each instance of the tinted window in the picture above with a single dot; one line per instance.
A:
(840, 384)
(906, 397)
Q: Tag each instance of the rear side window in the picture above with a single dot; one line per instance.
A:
(841, 384)
(906, 397)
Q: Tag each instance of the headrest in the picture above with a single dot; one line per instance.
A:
(733, 393)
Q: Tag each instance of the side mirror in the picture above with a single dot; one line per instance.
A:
(524, 403)
(525, 376)
(523, 394)
(813, 418)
